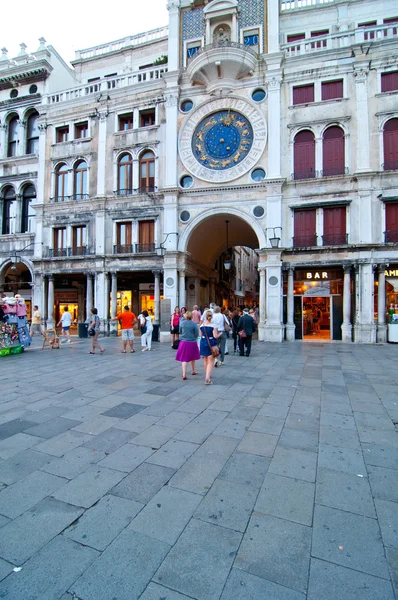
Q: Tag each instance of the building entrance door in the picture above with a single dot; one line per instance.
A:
(316, 318)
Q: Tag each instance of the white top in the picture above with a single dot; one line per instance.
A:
(148, 320)
(66, 319)
(203, 317)
(218, 321)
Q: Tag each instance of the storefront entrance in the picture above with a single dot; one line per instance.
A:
(316, 318)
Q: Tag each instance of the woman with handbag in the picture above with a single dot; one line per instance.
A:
(188, 351)
(208, 345)
(94, 331)
(146, 329)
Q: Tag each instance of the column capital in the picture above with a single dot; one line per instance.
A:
(50, 276)
(381, 267)
(347, 268)
(156, 272)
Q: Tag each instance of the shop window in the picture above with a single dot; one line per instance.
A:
(390, 145)
(125, 175)
(333, 152)
(61, 183)
(193, 48)
(295, 37)
(368, 35)
(28, 214)
(62, 134)
(391, 232)
(389, 81)
(319, 43)
(81, 130)
(80, 180)
(126, 122)
(59, 241)
(304, 228)
(303, 94)
(334, 226)
(147, 117)
(13, 136)
(390, 21)
(79, 240)
(146, 236)
(9, 211)
(32, 134)
(332, 90)
(123, 238)
(147, 171)
(304, 155)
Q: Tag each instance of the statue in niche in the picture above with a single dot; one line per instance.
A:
(222, 35)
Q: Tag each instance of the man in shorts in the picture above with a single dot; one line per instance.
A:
(36, 321)
(127, 320)
(66, 322)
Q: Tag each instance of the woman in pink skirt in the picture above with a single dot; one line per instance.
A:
(188, 350)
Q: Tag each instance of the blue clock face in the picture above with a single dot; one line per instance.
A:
(222, 140)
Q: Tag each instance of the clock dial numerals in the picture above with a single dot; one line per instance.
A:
(222, 140)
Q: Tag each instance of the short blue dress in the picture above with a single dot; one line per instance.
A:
(204, 345)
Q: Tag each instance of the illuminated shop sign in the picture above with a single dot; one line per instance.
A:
(317, 275)
(391, 272)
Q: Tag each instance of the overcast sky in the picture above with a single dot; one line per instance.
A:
(76, 24)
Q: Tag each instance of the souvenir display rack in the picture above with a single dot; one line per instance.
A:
(14, 329)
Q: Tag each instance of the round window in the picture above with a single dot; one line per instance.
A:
(258, 175)
(273, 281)
(169, 282)
(259, 95)
(13, 93)
(186, 181)
(185, 216)
(258, 211)
(33, 89)
(186, 106)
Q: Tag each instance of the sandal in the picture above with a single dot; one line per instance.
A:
(103, 350)
(194, 373)
(91, 352)
(208, 382)
(184, 378)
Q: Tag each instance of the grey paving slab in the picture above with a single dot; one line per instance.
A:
(392, 558)
(160, 520)
(126, 458)
(364, 419)
(286, 498)
(235, 428)
(329, 581)
(268, 425)
(306, 422)
(261, 444)
(102, 523)
(127, 565)
(14, 426)
(334, 436)
(36, 527)
(124, 410)
(245, 586)
(88, 487)
(337, 420)
(380, 456)
(387, 513)
(348, 540)
(299, 438)
(199, 563)
(247, 469)
(241, 411)
(228, 504)
(143, 483)
(155, 436)
(346, 460)
(52, 428)
(277, 550)
(108, 441)
(273, 410)
(82, 413)
(74, 462)
(156, 592)
(344, 491)
(20, 465)
(304, 408)
(17, 443)
(96, 425)
(299, 464)
(335, 407)
(201, 427)
(137, 423)
(173, 454)
(383, 483)
(176, 419)
(50, 572)
(63, 443)
(5, 569)
(378, 436)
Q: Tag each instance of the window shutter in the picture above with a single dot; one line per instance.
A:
(146, 232)
(303, 94)
(304, 155)
(334, 225)
(390, 143)
(332, 89)
(295, 37)
(392, 222)
(389, 81)
(305, 228)
(333, 152)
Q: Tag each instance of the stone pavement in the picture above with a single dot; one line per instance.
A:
(120, 481)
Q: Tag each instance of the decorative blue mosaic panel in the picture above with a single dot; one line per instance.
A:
(251, 13)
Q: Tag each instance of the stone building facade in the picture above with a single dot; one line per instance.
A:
(275, 120)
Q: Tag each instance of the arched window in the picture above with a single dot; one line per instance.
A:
(80, 180)
(304, 155)
(28, 196)
(390, 144)
(125, 175)
(333, 152)
(61, 183)
(9, 211)
(13, 136)
(147, 171)
(32, 134)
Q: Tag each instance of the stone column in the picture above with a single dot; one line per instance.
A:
(234, 29)
(274, 124)
(50, 302)
(45, 299)
(290, 326)
(42, 170)
(174, 35)
(157, 297)
(262, 303)
(270, 259)
(346, 328)
(182, 287)
(212, 289)
(273, 27)
(113, 326)
(171, 105)
(106, 303)
(89, 295)
(21, 138)
(365, 328)
(381, 307)
(361, 71)
(101, 161)
(3, 140)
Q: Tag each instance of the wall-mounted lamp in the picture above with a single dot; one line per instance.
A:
(17, 259)
(162, 245)
(274, 240)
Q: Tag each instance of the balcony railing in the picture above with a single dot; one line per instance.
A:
(334, 171)
(145, 189)
(391, 236)
(144, 248)
(77, 251)
(334, 239)
(123, 249)
(304, 174)
(218, 45)
(311, 174)
(57, 252)
(391, 165)
(64, 252)
(72, 198)
(303, 241)
(133, 248)
(292, 4)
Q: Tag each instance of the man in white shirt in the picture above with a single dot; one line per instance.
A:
(218, 321)
(66, 321)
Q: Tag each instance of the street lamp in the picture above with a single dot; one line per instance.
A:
(274, 240)
(17, 259)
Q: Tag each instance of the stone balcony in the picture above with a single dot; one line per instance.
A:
(221, 65)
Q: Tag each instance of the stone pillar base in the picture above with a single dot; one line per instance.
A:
(273, 333)
(290, 333)
(113, 328)
(381, 334)
(365, 334)
(261, 332)
(164, 337)
(346, 333)
(50, 324)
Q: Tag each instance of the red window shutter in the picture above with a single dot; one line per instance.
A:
(304, 155)
(305, 228)
(389, 21)
(389, 81)
(392, 222)
(334, 225)
(390, 143)
(368, 35)
(303, 94)
(333, 152)
(295, 37)
(322, 43)
(332, 89)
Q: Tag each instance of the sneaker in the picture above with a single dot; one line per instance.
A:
(68, 341)
(220, 364)
(226, 354)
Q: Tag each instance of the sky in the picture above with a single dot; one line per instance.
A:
(77, 24)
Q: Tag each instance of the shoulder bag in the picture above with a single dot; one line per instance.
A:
(213, 349)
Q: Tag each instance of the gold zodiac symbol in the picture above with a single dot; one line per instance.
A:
(237, 157)
(200, 136)
(245, 132)
(199, 147)
(212, 122)
(225, 163)
(240, 123)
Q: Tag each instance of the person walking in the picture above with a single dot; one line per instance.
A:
(146, 328)
(66, 321)
(208, 340)
(95, 326)
(188, 351)
(127, 320)
(246, 328)
(175, 325)
(36, 321)
(234, 315)
(218, 321)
